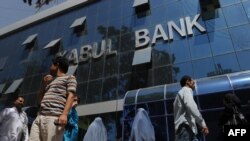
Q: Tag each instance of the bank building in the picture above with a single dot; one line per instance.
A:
(131, 54)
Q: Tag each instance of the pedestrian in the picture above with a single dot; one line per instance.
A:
(71, 129)
(96, 131)
(186, 113)
(142, 128)
(14, 122)
(232, 114)
(56, 100)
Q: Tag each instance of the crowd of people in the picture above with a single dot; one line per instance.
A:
(57, 119)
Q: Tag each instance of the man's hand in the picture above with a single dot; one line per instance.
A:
(62, 120)
(47, 79)
(205, 131)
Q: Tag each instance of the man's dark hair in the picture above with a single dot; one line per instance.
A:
(62, 62)
(184, 79)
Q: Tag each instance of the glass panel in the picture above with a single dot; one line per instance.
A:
(150, 94)
(97, 66)
(223, 67)
(243, 58)
(241, 37)
(228, 2)
(180, 50)
(212, 85)
(129, 112)
(199, 46)
(161, 55)
(109, 91)
(130, 97)
(124, 85)
(235, 15)
(240, 80)
(172, 90)
(221, 42)
(247, 8)
(178, 11)
(165, 77)
(160, 128)
(216, 23)
(125, 63)
(82, 92)
(94, 91)
(83, 72)
(216, 97)
(153, 108)
(182, 69)
(204, 68)
(127, 129)
(127, 42)
(111, 65)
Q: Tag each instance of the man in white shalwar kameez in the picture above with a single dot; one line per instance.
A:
(96, 131)
(142, 128)
(14, 123)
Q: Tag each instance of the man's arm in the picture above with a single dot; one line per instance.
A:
(46, 80)
(194, 111)
(62, 120)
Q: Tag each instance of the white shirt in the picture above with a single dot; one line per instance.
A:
(186, 110)
(13, 125)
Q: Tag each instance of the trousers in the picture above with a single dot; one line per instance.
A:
(44, 129)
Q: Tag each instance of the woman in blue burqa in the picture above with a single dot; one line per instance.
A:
(142, 128)
(71, 129)
(96, 131)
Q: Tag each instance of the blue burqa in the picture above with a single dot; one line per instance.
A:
(71, 129)
(142, 128)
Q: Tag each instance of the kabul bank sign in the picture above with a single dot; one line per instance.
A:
(142, 39)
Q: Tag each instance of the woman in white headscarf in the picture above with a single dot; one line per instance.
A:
(142, 128)
(96, 131)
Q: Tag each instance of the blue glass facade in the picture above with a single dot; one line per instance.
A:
(223, 48)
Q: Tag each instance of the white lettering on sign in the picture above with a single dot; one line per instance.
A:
(185, 29)
(236, 132)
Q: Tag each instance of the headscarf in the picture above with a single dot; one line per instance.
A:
(142, 128)
(96, 131)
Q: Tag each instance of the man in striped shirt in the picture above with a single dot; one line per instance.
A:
(57, 97)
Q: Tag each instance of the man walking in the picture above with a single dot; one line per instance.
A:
(14, 122)
(57, 98)
(186, 113)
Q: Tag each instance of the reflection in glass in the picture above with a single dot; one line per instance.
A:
(243, 58)
(204, 68)
(153, 108)
(109, 91)
(183, 69)
(94, 91)
(199, 46)
(235, 15)
(220, 42)
(150, 94)
(241, 37)
(223, 67)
